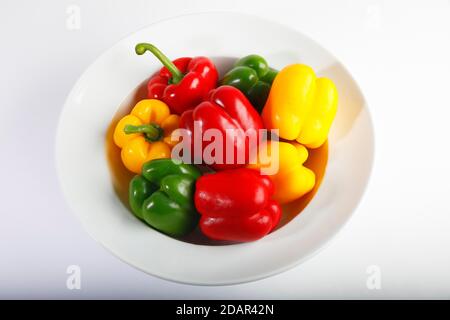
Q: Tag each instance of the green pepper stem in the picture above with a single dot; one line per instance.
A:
(177, 75)
(151, 131)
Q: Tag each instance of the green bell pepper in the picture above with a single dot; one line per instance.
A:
(163, 196)
(253, 77)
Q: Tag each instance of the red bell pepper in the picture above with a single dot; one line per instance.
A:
(236, 205)
(183, 83)
(230, 112)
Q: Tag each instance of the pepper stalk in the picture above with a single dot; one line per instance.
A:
(177, 75)
(152, 132)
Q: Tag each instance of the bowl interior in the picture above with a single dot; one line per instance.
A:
(120, 176)
(86, 180)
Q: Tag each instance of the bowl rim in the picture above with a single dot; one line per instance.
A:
(324, 243)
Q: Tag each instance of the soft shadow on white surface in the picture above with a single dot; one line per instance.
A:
(400, 225)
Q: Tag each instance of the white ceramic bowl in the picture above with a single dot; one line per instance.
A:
(86, 180)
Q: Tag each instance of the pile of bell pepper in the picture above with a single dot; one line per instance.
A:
(231, 200)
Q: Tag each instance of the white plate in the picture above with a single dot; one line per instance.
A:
(86, 181)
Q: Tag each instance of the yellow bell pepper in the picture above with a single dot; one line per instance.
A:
(301, 106)
(292, 180)
(145, 134)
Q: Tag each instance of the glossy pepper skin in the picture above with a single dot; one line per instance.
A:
(236, 205)
(163, 196)
(183, 83)
(301, 105)
(253, 76)
(145, 134)
(227, 110)
(292, 180)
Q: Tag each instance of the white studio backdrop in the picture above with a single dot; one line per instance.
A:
(395, 245)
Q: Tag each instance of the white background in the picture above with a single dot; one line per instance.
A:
(398, 52)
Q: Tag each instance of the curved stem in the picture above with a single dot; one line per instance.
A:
(151, 131)
(177, 75)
